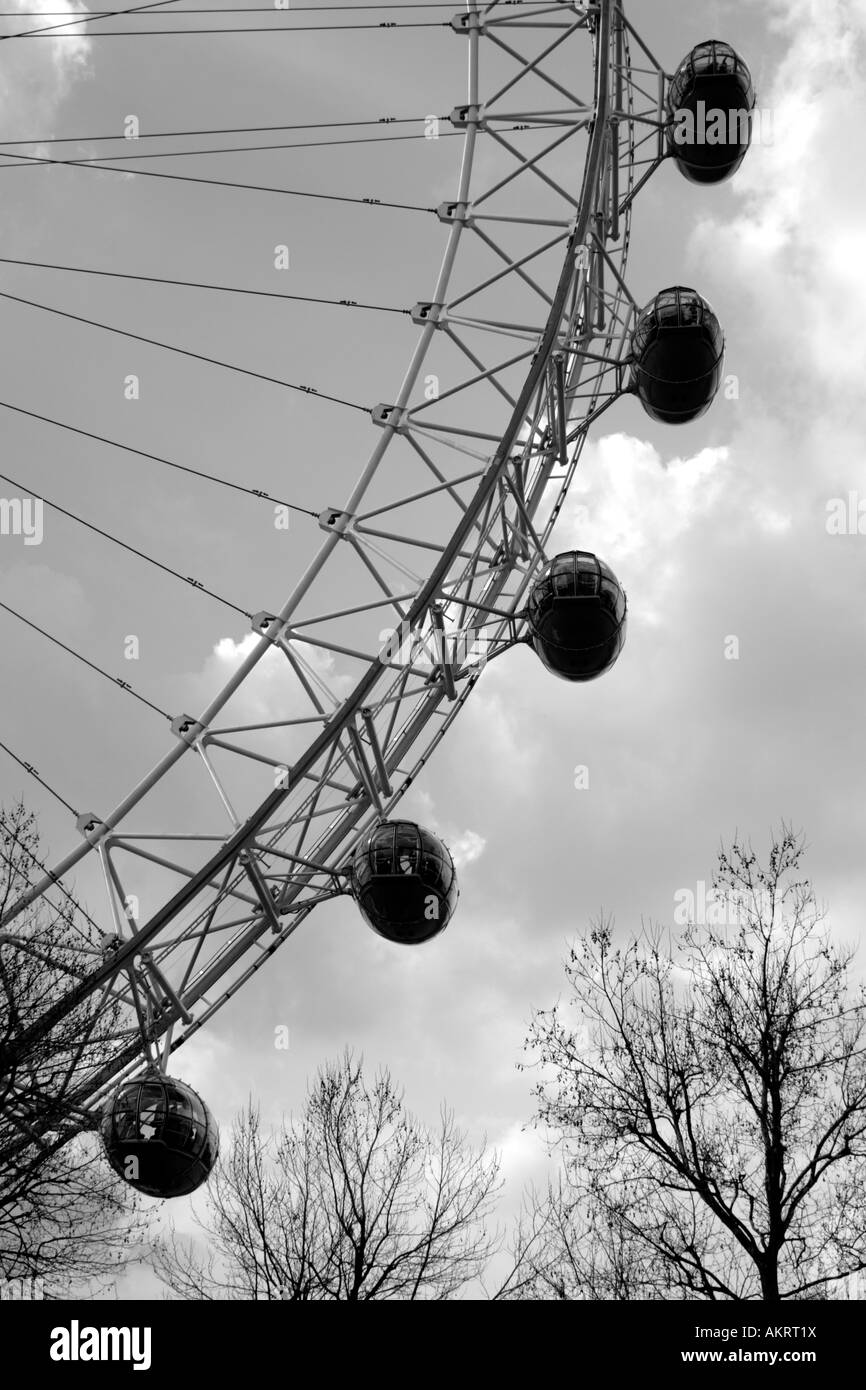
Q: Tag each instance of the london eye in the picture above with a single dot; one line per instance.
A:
(434, 563)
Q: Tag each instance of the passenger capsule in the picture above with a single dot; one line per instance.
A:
(577, 616)
(159, 1136)
(678, 351)
(403, 880)
(708, 123)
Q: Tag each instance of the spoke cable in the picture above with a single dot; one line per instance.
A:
(157, 458)
(43, 868)
(115, 680)
(218, 183)
(269, 9)
(124, 545)
(221, 130)
(185, 352)
(257, 149)
(29, 768)
(86, 18)
(200, 285)
(383, 25)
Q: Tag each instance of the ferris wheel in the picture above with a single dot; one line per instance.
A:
(530, 332)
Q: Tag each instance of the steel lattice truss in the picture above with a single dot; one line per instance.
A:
(441, 537)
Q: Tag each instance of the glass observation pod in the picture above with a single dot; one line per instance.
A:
(708, 125)
(577, 616)
(404, 882)
(159, 1136)
(678, 352)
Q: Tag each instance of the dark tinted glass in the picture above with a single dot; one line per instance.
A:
(404, 882)
(159, 1136)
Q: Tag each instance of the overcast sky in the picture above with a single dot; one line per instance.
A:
(717, 529)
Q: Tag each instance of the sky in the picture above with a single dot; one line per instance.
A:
(717, 530)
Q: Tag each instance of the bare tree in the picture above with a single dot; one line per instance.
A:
(64, 1216)
(567, 1248)
(711, 1100)
(354, 1200)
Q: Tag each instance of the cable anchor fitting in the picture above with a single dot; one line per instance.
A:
(188, 729)
(91, 826)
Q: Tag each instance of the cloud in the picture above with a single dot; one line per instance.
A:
(795, 245)
(631, 508)
(718, 529)
(37, 75)
(272, 691)
(57, 601)
(467, 848)
(630, 500)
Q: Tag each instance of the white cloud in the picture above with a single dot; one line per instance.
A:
(774, 523)
(46, 596)
(272, 691)
(630, 508)
(524, 1156)
(465, 845)
(467, 848)
(627, 501)
(796, 243)
(37, 74)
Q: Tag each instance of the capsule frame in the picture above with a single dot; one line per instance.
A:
(678, 355)
(577, 616)
(179, 1152)
(404, 882)
(711, 79)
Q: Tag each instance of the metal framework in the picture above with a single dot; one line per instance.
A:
(372, 686)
